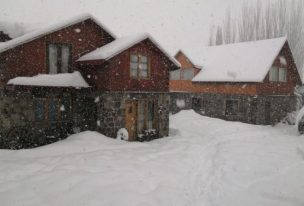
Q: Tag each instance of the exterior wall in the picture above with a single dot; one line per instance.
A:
(281, 88)
(30, 59)
(251, 108)
(17, 113)
(221, 88)
(114, 75)
(111, 111)
(184, 85)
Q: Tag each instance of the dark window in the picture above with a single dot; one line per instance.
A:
(196, 103)
(39, 110)
(59, 58)
(232, 107)
(52, 110)
(139, 66)
(150, 115)
(65, 108)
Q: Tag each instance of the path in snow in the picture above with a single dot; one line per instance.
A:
(205, 161)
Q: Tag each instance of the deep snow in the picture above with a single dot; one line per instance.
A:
(205, 161)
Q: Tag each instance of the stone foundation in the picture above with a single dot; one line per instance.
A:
(265, 110)
(111, 111)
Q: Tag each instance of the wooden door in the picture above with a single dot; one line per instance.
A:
(131, 119)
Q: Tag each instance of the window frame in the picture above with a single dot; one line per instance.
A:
(46, 109)
(146, 119)
(59, 57)
(138, 76)
(274, 74)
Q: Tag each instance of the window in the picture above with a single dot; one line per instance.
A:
(175, 75)
(65, 108)
(59, 58)
(39, 110)
(278, 74)
(188, 74)
(150, 115)
(141, 117)
(139, 67)
(196, 103)
(145, 115)
(232, 107)
(52, 109)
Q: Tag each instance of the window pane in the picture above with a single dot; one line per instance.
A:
(65, 108)
(143, 66)
(65, 59)
(52, 110)
(134, 65)
(282, 74)
(144, 59)
(143, 73)
(150, 111)
(175, 75)
(188, 74)
(134, 58)
(53, 59)
(133, 72)
(39, 110)
(273, 75)
(141, 117)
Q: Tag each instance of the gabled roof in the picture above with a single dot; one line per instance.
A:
(50, 29)
(74, 79)
(198, 66)
(119, 45)
(240, 62)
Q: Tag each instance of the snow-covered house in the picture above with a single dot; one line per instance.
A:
(77, 75)
(251, 82)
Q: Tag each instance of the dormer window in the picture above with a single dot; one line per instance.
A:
(59, 58)
(139, 66)
(278, 74)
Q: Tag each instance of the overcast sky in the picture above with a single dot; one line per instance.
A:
(175, 23)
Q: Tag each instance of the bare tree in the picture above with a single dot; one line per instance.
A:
(263, 20)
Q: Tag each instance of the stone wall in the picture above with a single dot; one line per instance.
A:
(18, 126)
(111, 111)
(251, 109)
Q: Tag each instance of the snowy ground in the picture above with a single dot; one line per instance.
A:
(204, 162)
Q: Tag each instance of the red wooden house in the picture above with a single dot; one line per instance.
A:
(250, 82)
(77, 75)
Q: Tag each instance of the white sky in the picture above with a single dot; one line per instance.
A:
(175, 23)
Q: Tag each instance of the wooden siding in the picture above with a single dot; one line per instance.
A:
(221, 88)
(30, 59)
(114, 75)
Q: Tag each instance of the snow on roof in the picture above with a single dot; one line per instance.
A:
(49, 29)
(240, 62)
(52, 80)
(121, 44)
